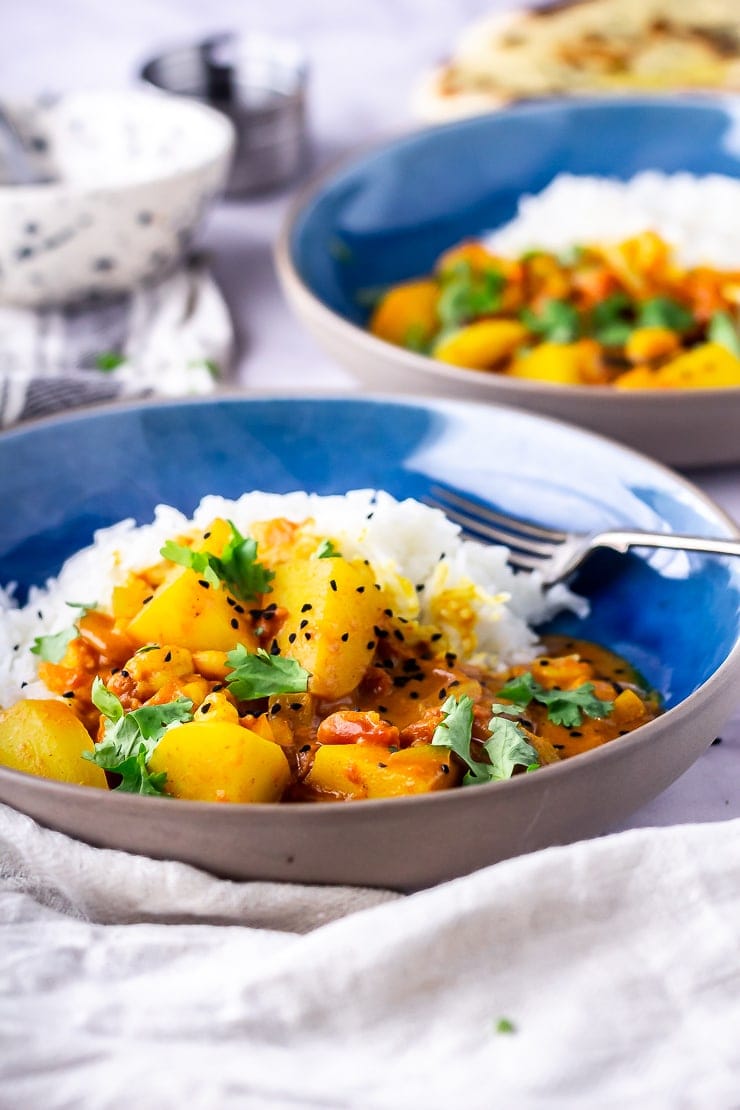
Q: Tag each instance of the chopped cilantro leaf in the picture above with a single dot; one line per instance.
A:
(664, 312)
(467, 295)
(130, 738)
(416, 339)
(261, 675)
(613, 320)
(237, 567)
(564, 707)
(506, 746)
(557, 321)
(723, 331)
(109, 360)
(52, 648)
(327, 550)
(505, 1025)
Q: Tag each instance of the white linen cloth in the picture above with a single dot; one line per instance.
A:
(172, 338)
(132, 983)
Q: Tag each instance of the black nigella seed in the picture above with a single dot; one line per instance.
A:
(398, 634)
(455, 682)
(370, 645)
(444, 768)
(275, 709)
(383, 765)
(544, 662)
(377, 585)
(305, 748)
(307, 635)
(575, 732)
(360, 589)
(271, 607)
(230, 601)
(344, 637)
(296, 706)
(414, 694)
(435, 636)
(303, 624)
(16, 647)
(239, 609)
(218, 686)
(202, 582)
(419, 587)
(206, 535)
(410, 665)
(205, 707)
(114, 670)
(404, 620)
(68, 694)
(450, 657)
(23, 684)
(560, 747)
(293, 637)
(147, 599)
(234, 622)
(333, 584)
(274, 648)
(442, 694)
(305, 608)
(124, 674)
(388, 612)
(382, 709)
(400, 680)
(168, 657)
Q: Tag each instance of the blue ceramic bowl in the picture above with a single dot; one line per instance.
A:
(388, 214)
(675, 617)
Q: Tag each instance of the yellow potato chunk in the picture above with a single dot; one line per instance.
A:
(560, 363)
(186, 610)
(332, 606)
(219, 761)
(45, 738)
(482, 345)
(372, 771)
(407, 310)
(647, 344)
(709, 366)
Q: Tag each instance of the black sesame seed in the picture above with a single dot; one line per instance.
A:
(68, 694)
(359, 589)
(398, 634)
(296, 706)
(344, 637)
(333, 584)
(205, 708)
(271, 607)
(307, 635)
(303, 624)
(234, 622)
(275, 709)
(575, 732)
(147, 599)
(230, 601)
(305, 608)
(370, 645)
(435, 636)
(293, 637)
(388, 612)
(442, 694)
(239, 609)
(206, 534)
(202, 582)
(168, 657)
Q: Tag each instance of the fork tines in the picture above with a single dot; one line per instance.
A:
(529, 543)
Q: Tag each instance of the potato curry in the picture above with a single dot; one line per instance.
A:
(268, 668)
(625, 315)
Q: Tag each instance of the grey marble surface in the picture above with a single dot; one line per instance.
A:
(364, 59)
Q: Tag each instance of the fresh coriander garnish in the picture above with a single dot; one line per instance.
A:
(109, 360)
(327, 550)
(612, 320)
(564, 707)
(506, 747)
(261, 675)
(467, 295)
(664, 312)
(416, 339)
(52, 648)
(236, 568)
(556, 322)
(130, 738)
(505, 1025)
(723, 331)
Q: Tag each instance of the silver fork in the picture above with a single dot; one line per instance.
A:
(557, 555)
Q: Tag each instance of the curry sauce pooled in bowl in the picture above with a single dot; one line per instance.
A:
(300, 649)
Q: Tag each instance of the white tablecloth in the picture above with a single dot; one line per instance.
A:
(129, 983)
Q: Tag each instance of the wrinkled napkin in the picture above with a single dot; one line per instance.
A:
(172, 338)
(603, 974)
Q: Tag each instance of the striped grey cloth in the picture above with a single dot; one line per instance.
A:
(172, 339)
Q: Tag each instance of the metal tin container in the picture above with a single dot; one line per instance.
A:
(259, 82)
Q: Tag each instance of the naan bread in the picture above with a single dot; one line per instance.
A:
(587, 47)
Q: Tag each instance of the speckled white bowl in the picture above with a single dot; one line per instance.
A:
(133, 173)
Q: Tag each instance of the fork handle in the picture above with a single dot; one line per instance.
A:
(622, 540)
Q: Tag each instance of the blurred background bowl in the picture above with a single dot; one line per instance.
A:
(128, 174)
(388, 215)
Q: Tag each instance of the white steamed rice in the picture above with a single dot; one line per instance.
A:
(399, 538)
(698, 216)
